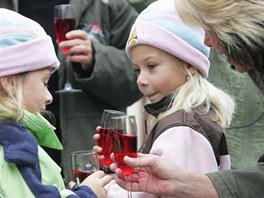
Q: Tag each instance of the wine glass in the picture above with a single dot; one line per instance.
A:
(124, 130)
(64, 21)
(84, 163)
(105, 141)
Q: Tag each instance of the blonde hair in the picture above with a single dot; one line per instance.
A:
(199, 95)
(238, 24)
(11, 100)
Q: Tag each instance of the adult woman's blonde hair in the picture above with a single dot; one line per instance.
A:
(239, 25)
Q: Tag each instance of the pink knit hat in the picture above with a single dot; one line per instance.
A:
(160, 26)
(24, 45)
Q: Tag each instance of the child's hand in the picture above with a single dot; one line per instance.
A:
(96, 182)
(97, 149)
(96, 136)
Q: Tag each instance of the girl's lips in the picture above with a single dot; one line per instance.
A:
(151, 96)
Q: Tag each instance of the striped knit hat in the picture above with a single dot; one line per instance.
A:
(160, 26)
(24, 45)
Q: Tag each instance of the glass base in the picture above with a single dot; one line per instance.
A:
(68, 89)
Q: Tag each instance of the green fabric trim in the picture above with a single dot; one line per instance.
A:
(42, 130)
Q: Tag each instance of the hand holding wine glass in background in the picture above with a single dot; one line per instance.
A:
(64, 21)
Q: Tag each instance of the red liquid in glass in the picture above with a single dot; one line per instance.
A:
(124, 145)
(81, 174)
(106, 142)
(62, 26)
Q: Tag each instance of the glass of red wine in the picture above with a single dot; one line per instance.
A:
(84, 163)
(106, 136)
(64, 21)
(124, 130)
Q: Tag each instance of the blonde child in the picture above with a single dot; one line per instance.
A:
(27, 61)
(187, 115)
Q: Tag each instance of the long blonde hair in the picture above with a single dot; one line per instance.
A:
(199, 95)
(11, 100)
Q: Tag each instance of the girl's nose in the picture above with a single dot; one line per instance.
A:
(49, 98)
(141, 80)
(207, 40)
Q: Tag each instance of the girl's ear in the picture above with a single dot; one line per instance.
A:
(192, 69)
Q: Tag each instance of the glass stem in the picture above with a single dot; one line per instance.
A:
(67, 85)
(129, 193)
(105, 169)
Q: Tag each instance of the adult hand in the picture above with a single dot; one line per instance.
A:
(96, 182)
(155, 175)
(152, 170)
(80, 48)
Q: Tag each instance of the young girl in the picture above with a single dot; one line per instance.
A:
(27, 61)
(187, 114)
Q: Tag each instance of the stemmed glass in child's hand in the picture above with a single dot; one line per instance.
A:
(64, 21)
(125, 142)
(84, 163)
(106, 136)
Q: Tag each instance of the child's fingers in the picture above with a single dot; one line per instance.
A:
(96, 137)
(106, 179)
(97, 149)
(98, 128)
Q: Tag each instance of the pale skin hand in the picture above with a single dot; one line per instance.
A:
(80, 48)
(97, 149)
(166, 179)
(96, 182)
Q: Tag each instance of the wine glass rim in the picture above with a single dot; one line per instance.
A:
(114, 111)
(123, 116)
(62, 5)
(83, 152)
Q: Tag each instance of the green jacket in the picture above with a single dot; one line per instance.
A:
(242, 183)
(140, 5)
(245, 144)
(12, 184)
(26, 170)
